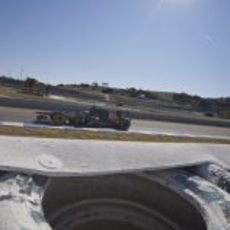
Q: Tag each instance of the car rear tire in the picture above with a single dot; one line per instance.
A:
(58, 119)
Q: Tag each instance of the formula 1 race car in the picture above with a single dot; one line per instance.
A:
(93, 117)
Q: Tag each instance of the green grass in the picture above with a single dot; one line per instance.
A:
(67, 134)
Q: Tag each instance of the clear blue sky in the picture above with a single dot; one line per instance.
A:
(165, 45)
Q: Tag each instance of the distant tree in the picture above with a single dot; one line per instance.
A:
(84, 85)
(105, 88)
(186, 99)
(132, 92)
(47, 89)
(94, 85)
(30, 84)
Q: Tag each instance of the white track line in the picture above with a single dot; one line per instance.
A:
(134, 131)
(16, 124)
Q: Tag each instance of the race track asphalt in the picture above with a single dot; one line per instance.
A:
(143, 126)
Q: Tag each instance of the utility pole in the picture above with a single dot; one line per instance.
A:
(21, 73)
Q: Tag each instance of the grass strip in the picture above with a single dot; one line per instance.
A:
(101, 135)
